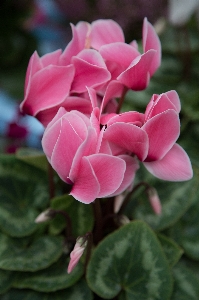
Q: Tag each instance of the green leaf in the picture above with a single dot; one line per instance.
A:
(186, 285)
(11, 166)
(79, 291)
(81, 215)
(18, 255)
(23, 193)
(130, 259)
(51, 279)
(33, 157)
(175, 197)
(172, 251)
(6, 280)
(186, 232)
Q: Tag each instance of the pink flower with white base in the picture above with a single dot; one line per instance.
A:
(124, 61)
(72, 145)
(152, 137)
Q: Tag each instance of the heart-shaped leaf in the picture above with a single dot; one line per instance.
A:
(186, 284)
(172, 251)
(130, 259)
(79, 291)
(18, 255)
(23, 193)
(6, 280)
(51, 279)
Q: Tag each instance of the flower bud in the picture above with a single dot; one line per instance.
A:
(77, 252)
(123, 220)
(44, 216)
(118, 202)
(154, 200)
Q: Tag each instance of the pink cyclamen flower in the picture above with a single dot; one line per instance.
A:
(72, 145)
(47, 84)
(77, 252)
(152, 137)
(124, 61)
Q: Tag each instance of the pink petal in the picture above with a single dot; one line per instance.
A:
(70, 138)
(159, 105)
(87, 148)
(90, 71)
(174, 166)
(105, 32)
(174, 98)
(131, 117)
(163, 130)
(93, 97)
(129, 137)
(131, 167)
(134, 44)
(109, 171)
(94, 119)
(50, 137)
(114, 89)
(151, 41)
(48, 88)
(120, 53)
(137, 75)
(86, 186)
(70, 103)
(51, 58)
(33, 67)
(77, 43)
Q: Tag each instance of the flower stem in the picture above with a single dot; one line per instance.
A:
(89, 236)
(51, 181)
(122, 99)
(98, 221)
(128, 197)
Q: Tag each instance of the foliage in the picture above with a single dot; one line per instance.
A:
(151, 257)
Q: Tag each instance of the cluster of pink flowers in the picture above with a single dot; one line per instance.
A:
(73, 93)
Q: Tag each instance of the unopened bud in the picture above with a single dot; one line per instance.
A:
(44, 216)
(123, 220)
(118, 202)
(77, 252)
(154, 200)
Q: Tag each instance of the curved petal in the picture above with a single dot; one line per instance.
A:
(120, 53)
(51, 58)
(131, 167)
(131, 117)
(68, 142)
(70, 103)
(114, 89)
(174, 98)
(48, 88)
(174, 166)
(93, 97)
(86, 186)
(50, 137)
(104, 32)
(163, 130)
(151, 41)
(109, 171)
(158, 105)
(129, 137)
(90, 71)
(137, 75)
(34, 66)
(87, 148)
(78, 42)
